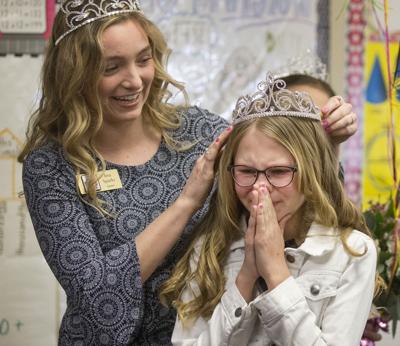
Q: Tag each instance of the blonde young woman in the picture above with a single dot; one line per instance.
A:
(111, 241)
(282, 257)
(115, 177)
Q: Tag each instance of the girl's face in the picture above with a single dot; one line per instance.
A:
(259, 151)
(129, 71)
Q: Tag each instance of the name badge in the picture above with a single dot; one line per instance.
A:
(109, 180)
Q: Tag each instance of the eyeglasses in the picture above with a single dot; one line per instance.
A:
(277, 176)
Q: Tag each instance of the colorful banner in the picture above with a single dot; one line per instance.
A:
(377, 175)
(352, 150)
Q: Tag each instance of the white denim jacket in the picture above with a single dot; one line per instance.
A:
(326, 301)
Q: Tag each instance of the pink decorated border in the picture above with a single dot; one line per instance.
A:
(50, 13)
(353, 148)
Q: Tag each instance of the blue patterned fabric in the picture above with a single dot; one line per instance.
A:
(94, 258)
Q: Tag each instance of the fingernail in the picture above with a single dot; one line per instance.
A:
(260, 205)
(325, 109)
(229, 129)
(217, 140)
(324, 123)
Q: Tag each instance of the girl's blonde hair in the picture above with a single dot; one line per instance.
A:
(70, 111)
(325, 203)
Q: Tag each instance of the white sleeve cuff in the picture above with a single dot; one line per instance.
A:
(233, 304)
(275, 303)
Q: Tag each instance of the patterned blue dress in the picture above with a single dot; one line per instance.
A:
(94, 258)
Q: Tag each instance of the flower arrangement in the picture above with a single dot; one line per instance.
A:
(383, 219)
(384, 223)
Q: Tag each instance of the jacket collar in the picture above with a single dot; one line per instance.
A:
(319, 240)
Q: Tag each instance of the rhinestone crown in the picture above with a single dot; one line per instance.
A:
(273, 99)
(81, 12)
(307, 63)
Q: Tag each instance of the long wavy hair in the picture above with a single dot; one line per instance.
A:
(325, 203)
(70, 112)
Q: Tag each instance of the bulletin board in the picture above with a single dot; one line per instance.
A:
(25, 25)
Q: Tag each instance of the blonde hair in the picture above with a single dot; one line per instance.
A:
(70, 112)
(325, 203)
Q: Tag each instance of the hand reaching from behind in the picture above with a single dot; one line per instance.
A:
(269, 242)
(201, 178)
(339, 120)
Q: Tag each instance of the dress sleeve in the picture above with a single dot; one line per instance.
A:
(288, 320)
(104, 289)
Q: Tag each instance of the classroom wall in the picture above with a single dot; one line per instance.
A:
(30, 299)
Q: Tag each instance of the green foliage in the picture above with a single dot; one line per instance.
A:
(383, 224)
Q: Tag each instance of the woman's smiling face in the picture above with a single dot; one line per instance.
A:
(129, 71)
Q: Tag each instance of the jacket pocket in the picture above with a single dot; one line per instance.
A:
(319, 284)
(318, 288)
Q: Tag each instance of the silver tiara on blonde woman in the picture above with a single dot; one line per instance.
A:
(81, 12)
(273, 99)
(308, 64)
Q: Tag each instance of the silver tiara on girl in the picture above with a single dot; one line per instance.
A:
(81, 12)
(273, 99)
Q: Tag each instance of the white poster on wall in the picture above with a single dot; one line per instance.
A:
(222, 48)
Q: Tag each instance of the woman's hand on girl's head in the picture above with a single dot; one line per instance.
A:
(201, 178)
(269, 242)
(339, 120)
